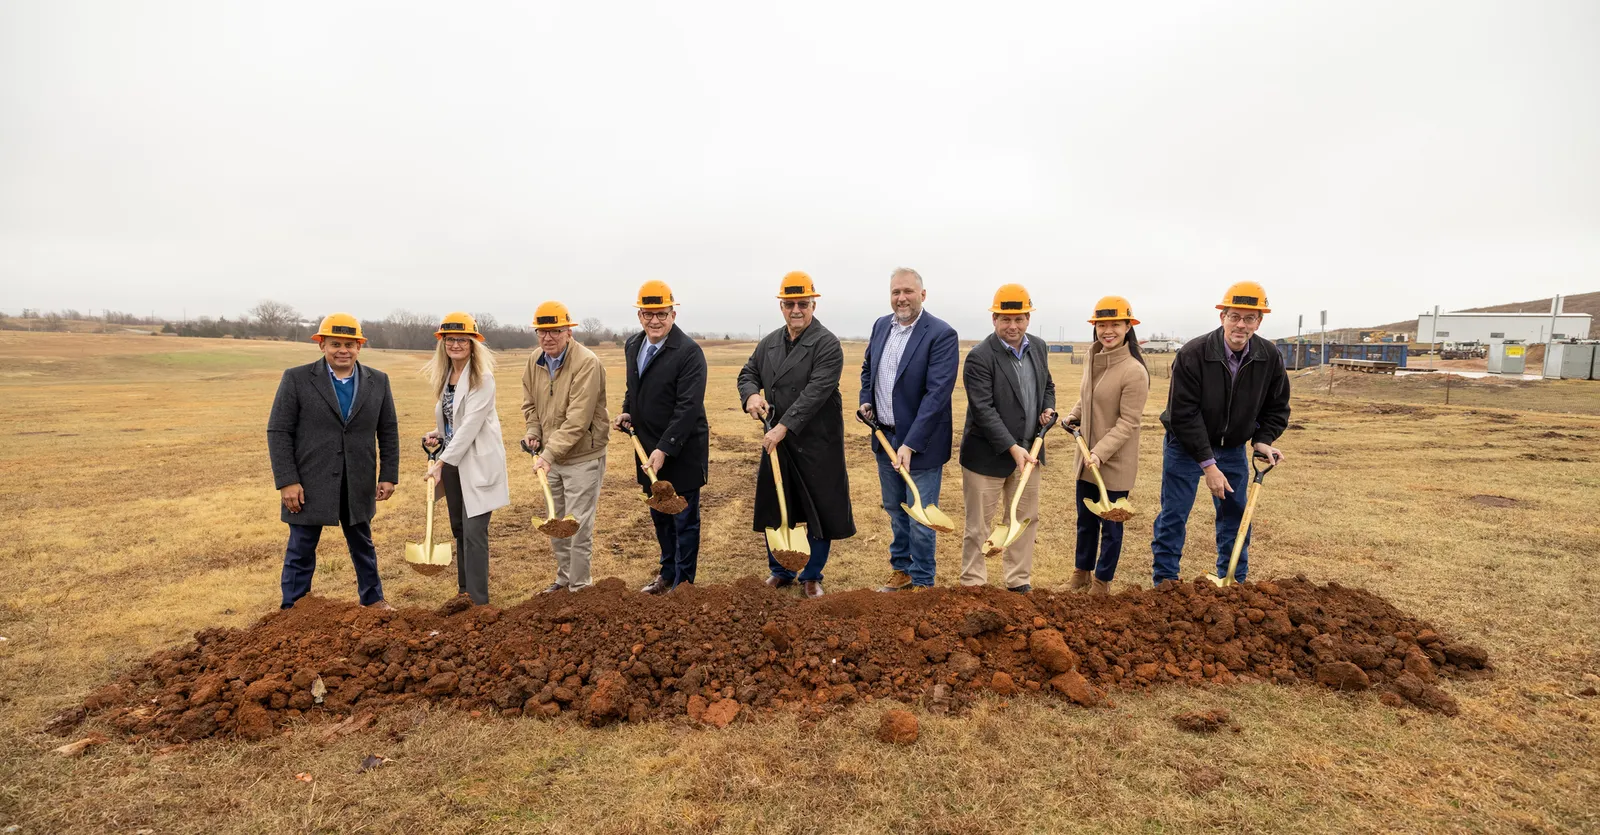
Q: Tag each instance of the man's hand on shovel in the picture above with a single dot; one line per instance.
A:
(774, 436)
(1273, 455)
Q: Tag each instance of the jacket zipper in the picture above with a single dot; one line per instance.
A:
(1233, 383)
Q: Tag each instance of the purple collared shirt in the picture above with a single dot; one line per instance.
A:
(1235, 361)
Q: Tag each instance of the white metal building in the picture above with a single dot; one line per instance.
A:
(1532, 328)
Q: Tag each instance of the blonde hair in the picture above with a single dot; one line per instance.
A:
(480, 364)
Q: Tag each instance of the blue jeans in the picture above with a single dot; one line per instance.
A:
(300, 562)
(679, 538)
(1180, 477)
(1096, 534)
(813, 570)
(911, 548)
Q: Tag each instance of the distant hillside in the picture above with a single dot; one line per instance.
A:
(1583, 303)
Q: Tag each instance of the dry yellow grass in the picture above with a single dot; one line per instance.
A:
(139, 507)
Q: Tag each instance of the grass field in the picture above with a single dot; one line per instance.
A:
(139, 507)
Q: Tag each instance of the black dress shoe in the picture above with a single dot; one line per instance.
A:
(776, 582)
(1022, 589)
(656, 586)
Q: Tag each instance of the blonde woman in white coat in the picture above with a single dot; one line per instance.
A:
(472, 467)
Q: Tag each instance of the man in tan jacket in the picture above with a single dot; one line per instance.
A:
(564, 404)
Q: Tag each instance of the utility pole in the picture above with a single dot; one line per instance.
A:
(1325, 362)
(1433, 336)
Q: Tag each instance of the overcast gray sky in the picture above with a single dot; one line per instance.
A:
(1369, 158)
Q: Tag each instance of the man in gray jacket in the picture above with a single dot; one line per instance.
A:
(330, 422)
(1009, 397)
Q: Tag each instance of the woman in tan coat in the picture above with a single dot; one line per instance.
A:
(1110, 404)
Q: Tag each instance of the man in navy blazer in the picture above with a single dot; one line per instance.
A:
(906, 381)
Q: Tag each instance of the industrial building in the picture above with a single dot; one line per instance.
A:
(1529, 328)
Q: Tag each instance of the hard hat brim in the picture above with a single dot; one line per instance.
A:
(993, 309)
(1244, 307)
(1129, 319)
(473, 334)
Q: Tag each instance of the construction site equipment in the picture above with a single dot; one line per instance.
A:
(1367, 366)
(789, 545)
(1508, 357)
(797, 285)
(1120, 510)
(1572, 360)
(655, 295)
(663, 497)
(458, 324)
(1254, 495)
(426, 557)
(552, 527)
(339, 326)
(1007, 532)
(1247, 295)
(928, 516)
(1011, 299)
(552, 315)
(1112, 309)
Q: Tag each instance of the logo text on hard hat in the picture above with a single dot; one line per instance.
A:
(1011, 305)
(1106, 312)
(342, 329)
(650, 300)
(794, 288)
(547, 320)
(452, 326)
(1246, 300)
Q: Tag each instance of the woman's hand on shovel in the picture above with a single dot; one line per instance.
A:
(1094, 461)
(434, 469)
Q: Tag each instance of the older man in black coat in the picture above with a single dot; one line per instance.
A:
(330, 422)
(798, 366)
(665, 405)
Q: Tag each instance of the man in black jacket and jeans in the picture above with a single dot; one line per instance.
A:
(1229, 396)
(665, 404)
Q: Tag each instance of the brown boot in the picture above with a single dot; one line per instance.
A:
(1080, 580)
(1100, 588)
(898, 580)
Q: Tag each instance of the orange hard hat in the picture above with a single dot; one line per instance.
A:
(1111, 309)
(655, 295)
(339, 325)
(797, 285)
(1247, 295)
(552, 315)
(1011, 299)
(461, 324)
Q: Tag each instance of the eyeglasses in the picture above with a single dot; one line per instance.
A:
(1236, 319)
(655, 315)
(457, 340)
(796, 304)
(551, 334)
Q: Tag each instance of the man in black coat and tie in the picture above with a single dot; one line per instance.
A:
(793, 375)
(1010, 397)
(331, 422)
(665, 406)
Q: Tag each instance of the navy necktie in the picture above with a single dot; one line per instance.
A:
(649, 354)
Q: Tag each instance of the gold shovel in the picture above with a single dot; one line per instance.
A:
(1006, 533)
(929, 516)
(789, 545)
(663, 498)
(1244, 523)
(554, 528)
(428, 558)
(1120, 510)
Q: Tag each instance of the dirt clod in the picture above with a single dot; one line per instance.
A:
(1203, 721)
(898, 727)
(714, 653)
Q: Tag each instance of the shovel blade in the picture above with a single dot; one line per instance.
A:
(427, 561)
(1014, 532)
(937, 520)
(557, 528)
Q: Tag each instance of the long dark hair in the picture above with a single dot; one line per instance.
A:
(1132, 340)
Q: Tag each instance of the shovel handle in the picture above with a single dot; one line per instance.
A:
(1105, 498)
(433, 449)
(427, 536)
(644, 459)
(1261, 472)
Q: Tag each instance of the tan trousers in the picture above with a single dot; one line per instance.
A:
(576, 489)
(988, 499)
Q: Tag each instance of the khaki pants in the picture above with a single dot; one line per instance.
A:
(988, 501)
(576, 489)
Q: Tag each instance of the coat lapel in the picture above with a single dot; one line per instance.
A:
(324, 385)
(917, 335)
(363, 393)
(800, 350)
(1002, 352)
(644, 345)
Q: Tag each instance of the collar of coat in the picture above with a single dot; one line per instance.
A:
(999, 345)
(1217, 349)
(1099, 353)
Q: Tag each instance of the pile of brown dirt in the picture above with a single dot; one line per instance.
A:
(719, 653)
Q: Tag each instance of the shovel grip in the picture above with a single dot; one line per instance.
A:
(644, 459)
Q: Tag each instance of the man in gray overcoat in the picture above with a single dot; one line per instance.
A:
(330, 422)
(797, 367)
